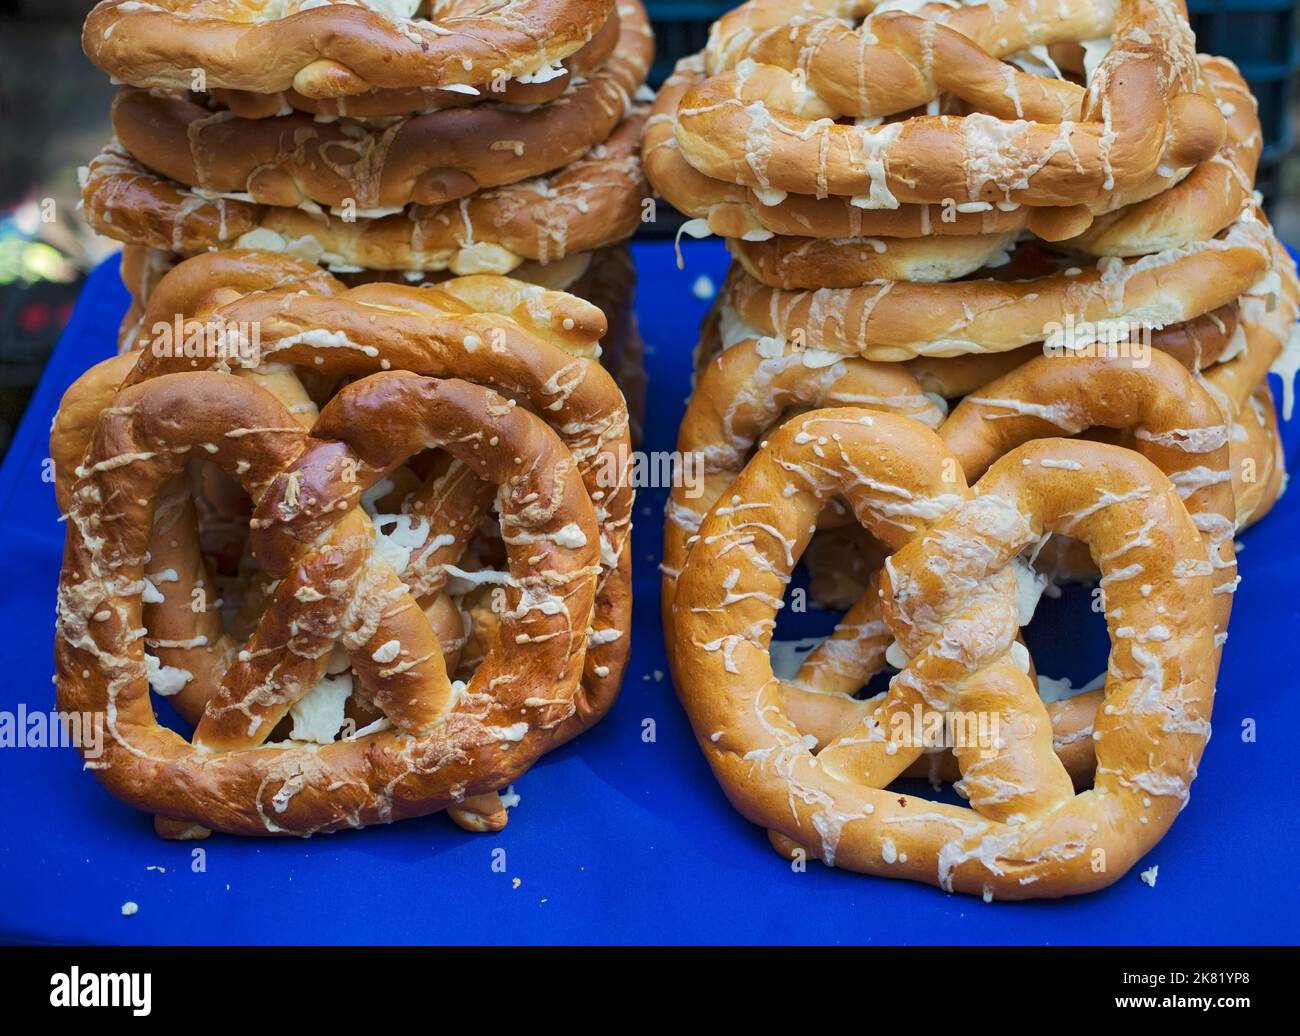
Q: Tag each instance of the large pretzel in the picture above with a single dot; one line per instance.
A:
(1235, 343)
(426, 159)
(589, 204)
(545, 85)
(734, 210)
(444, 742)
(142, 268)
(948, 596)
(605, 277)
(1197, 344)
(1180, 208)
(1032, 140)
(896, 320)
(334, 49)
(1194, 209)
(493, 331)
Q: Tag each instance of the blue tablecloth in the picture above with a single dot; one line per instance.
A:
(616, 838)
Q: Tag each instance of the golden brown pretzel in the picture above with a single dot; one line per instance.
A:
(514, 337)
(380, 103)
(591, 203)
(1194, 209)
(1182, 429)
(737, 211)
(334, 49)
(948, 596)
(1197, 344)
(424, 159)
(450, 743)
(899, 320)
(1169, 210)
(1030, 140)
(1175, 422)
(142, 268)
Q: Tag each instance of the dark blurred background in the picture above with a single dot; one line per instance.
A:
(54, 117)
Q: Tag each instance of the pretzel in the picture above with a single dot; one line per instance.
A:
(737, 211)
(1197, 344)
(334, 49)
(1050, 395)
(949, 597)
(899, 320)
(1033, 140)
(497, 332)
(1192, 208)
(1196, 208)
(548, 84)
(439, 743)
(426, 159)
(1237, 351)
(589, 204)
(143, 267)
(1176, 423)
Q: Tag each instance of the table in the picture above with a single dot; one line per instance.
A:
(617, 838)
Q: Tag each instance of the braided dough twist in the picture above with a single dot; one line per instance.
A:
(310, 534)
(949, 597)
(511, 336)
(331, 48)
(380, 103)
(1031, 140)
(898, 320)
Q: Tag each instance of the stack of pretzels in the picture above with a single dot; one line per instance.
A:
(924, 202)
(405, 140)
(374, 546)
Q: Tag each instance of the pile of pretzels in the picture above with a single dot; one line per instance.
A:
(941, 216)
(403, 140)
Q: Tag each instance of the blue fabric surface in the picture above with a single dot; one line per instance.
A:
(617, 838)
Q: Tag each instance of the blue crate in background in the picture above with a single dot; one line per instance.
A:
(1260, 36)
(681, 28)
